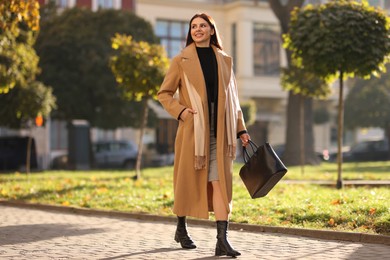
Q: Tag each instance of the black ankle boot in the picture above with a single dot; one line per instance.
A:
(223, 246)
(182, 236)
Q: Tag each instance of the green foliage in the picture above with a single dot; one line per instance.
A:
(304, 83)
(15, 11)
(249, 111)
(22, 104)
(368, 103)
(139, 67)
(321, 115)
(18, 60)
(75, 48)
(339, 36)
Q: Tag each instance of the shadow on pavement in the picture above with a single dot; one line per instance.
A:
(154, 251)
(11, 235)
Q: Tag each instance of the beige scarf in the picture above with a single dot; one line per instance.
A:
(232, 108)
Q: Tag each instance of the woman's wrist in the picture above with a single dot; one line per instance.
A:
(241, 133)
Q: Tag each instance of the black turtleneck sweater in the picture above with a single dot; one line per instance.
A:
(209, 66)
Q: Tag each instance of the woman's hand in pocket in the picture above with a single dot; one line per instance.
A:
(186, 112)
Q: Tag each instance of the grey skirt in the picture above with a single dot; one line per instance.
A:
(213, 172)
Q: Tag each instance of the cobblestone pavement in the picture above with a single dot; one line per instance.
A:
(27, 233)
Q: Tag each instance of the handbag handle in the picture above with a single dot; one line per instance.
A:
(245, 152)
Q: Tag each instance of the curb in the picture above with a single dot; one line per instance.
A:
(311, 233)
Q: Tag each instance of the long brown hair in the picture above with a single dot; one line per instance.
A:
(214, 38)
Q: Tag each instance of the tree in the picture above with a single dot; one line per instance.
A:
(139, 69)
(294, 140)
(74, 48)
(23, 98)
(339, 38)
(368, 104)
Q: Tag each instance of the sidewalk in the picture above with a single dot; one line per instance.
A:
(34, 233)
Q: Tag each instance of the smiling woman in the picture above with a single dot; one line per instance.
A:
(210, 121)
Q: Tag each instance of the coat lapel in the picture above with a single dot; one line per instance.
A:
(192, 68)
(224, 69)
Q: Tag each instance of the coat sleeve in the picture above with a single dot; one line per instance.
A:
(168, 89)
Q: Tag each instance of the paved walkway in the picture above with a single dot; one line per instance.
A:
(27, 233)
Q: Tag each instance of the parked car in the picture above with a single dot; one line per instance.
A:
(280, 148)
(370, 150)
(114, 154)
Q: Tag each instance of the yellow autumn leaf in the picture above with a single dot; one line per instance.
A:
(336, 202)
(65, 203)
(102, 190)
(331, 222)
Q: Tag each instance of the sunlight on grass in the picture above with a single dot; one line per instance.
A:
(356, 209)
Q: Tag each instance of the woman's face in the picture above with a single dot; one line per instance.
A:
(201, 32)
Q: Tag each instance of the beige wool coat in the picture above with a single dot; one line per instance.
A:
(192, 191)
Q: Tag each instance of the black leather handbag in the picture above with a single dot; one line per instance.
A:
(262, 170)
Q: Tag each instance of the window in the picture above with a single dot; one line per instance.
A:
(62, 3)
(105, 4)
(172, 35)
(266, 49)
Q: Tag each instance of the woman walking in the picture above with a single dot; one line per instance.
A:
(210, 121)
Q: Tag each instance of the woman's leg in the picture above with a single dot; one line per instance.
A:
(223, 246)
(220, 210)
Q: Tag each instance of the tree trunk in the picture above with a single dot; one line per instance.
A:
(293, 138)
(142, 132)
(339, 183)
(311, 156)
(291, 154)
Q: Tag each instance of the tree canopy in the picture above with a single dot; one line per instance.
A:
(307, 84)
(74, 48)
(139, 67)
(339, 36)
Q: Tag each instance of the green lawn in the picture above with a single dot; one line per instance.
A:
(356, 209)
